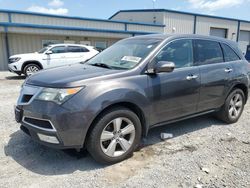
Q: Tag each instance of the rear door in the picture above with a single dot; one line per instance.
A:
(215, 74)
(77, 54)
(175, 94)
(58, 56)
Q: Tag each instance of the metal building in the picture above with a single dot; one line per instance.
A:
(24, 32)
(188, 23)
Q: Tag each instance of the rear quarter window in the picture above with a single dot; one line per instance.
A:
(207, 52)
(77, 49)
(229, 53)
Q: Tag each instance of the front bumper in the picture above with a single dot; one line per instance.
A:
(51, 124)
(13, 67)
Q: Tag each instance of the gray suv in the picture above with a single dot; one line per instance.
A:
(110, 102)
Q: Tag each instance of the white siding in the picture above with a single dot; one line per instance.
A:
(146, 17)
(204, 24)
(4, 17)
(23, 43)
(245, 26)
(3, 54)
(244, 40)
(182, 24)
(67, 32)
(45, 20)
(153, 29)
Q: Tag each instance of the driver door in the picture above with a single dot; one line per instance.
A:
(175, 94)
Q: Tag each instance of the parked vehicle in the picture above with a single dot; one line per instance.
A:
(109, 103)
(247, 56)
(50, 56)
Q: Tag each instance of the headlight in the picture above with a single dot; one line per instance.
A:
(15, 59)
(57, 95)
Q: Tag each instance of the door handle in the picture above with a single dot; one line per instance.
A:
(191, 77)
(228, 70)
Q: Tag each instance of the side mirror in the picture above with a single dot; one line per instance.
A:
(164, 66)
(49, 52)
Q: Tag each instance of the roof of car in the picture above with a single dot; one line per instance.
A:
(174, 36)
(64, 44)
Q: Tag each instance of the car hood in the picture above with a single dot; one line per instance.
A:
(68, 76)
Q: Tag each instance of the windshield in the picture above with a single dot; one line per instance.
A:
(43, 50)
(125, 54)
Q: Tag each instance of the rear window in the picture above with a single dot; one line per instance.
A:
(77, 49)
(207, 52)
(229, 54)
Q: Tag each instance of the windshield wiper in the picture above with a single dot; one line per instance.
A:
(102, 65)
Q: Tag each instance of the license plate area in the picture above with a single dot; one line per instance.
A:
(18, 114)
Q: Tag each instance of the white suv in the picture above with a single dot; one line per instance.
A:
(50, 56)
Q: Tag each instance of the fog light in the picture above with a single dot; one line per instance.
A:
(46, 138)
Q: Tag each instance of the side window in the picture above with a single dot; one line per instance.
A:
(229, 54)
(77, 49)
(207, 52)
(179, 52)
(59, 49)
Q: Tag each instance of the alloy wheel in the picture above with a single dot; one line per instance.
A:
(117, 137)
(235, 106)
(31, 70)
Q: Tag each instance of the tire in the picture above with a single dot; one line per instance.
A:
(31, 69)
(227, 110)
(101, 150)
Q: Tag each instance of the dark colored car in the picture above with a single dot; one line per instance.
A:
(247, 56)
(109, 103)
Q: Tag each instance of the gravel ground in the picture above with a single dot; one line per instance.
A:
(204, 152)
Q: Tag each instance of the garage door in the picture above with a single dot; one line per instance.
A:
(3, 56)
(244, 40)
(218, 32)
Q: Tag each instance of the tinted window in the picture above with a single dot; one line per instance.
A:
(43, 50)
(179, 52)
(229, 54)
(77, 49)
(207, 52)
(58, 49)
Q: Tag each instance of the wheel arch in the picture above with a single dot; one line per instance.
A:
(241, 86)
(129, 105)
(31, 62)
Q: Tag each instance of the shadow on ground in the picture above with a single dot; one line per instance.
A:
(15, 77)
(42, 160)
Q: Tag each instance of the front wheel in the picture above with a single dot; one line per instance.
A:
(31, 69)
(116, 134)
(231, 111)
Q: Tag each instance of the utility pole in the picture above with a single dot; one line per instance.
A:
(154, 1)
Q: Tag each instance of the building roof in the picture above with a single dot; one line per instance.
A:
(179, 12)
(77, 18)
(11, 23)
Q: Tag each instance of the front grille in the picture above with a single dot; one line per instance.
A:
(27, 94)
(45, 124)
(26, 98)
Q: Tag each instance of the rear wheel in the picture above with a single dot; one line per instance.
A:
(31, 69)
(231, 111)
(116, 134)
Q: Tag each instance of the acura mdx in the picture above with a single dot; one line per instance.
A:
(110, 102)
